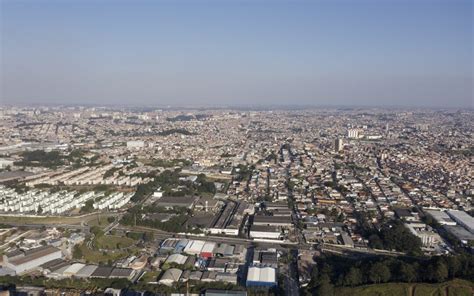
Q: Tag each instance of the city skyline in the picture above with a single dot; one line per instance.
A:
(237, 53)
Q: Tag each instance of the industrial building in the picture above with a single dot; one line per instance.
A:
(177, 259)
(261, 277)
(194, 247)
(212, 292)
(441, 217)
(463, 219)
(265, 232)
(284, 221)
(425, 233)
(21, 261)
(170, 276)
(170, 202)
(229, 220)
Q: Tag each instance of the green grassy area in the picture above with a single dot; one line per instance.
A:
(42, 220)
(99, 221)
(451, 288)
(95, 256)
(113, 242)
(106, 249)
(54, 220)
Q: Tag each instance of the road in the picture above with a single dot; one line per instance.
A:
(159, 234)
(292, 278)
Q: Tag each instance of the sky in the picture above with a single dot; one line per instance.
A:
(239, 53)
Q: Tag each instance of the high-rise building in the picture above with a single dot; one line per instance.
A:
(353, 133)
(338, 145)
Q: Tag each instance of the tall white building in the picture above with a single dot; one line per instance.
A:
(353, 133)
(135, 144)
(338, 145)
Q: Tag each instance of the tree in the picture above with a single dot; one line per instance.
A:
(353, 277)
(325, 288)
(407, 272)
(379, 273)
(454, 266)
(375, 242)
(77, 252)
(148, 236)
(438, 272)
(97, 231)
(395, 236)
(88, 207)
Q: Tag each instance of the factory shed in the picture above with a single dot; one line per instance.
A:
(207, 250)
(194, 247)
(86, 271)
(102, 272)
(224, 250)
(195, 275)
(181, 245)
(59, 273)
(177, 259)
(122, 273)
(261, 277)
(170, 276)
(53, 265)
(21, 261)
(73, 269)
(463, 219)
(213, 292)
(227, 277)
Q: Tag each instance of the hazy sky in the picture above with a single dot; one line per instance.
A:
(380, 52)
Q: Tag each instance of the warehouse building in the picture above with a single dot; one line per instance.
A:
(212, 292)
(224, 250)
(102, 272)
(261, 277)
(170, 276)
(86, 271)
(460, 233)
(122, 273)
(267, 232)
(284, 221)
(170, 202)
(441, 217)
(463, 219)
(176, 259)
(207, 250)
(21, 261)
(73, 269)
(194, 247)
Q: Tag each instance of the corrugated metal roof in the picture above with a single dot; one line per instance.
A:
(194, 247)
(208, 247)
(73, 269)
(265, 274)
(86, 271)
(176, 258)
(172, 274)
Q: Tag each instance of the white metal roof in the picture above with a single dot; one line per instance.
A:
(265, 274)
(208, 247)
(73, 269)
(176, 258)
